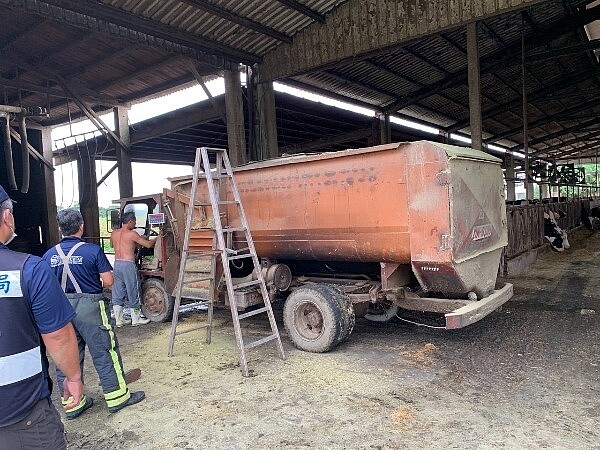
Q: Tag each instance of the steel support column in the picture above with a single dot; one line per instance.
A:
(474, 87)
(234, 107)
(123, 157)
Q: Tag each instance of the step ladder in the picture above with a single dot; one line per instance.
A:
(218, 180)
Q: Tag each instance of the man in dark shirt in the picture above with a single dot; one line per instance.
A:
(83, 271)
(32, 304)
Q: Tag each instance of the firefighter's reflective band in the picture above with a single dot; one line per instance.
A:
(122, 394)
(76, 408)
(20, 366)
(66, 259)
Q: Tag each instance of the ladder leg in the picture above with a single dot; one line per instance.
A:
(184, 255)
(224, 240)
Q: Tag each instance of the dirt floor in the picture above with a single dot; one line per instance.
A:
(526, 377)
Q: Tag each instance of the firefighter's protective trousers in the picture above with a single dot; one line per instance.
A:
(95, 328)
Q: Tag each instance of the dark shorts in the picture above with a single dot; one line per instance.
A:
(41, 429)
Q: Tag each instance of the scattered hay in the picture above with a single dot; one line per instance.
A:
(403, 417)
(422, 355)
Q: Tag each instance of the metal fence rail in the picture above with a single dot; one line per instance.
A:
(526, 223)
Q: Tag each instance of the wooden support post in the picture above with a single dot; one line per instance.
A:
(509, 176)
(123, 156)
(267, 120)
(52, 234)
(251, 104)
(544, 190)
(474, 87)
(528, 177)
(444, 137)
(385, 129)
(88, 197)
(234, 107)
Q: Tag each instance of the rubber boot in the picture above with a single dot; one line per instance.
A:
(136, 397)
(85, 404)
(119, 318)
(136, 319)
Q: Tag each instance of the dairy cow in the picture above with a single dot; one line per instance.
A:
(556, 236)
(591, 218)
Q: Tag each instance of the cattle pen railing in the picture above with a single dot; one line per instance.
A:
(525, 224)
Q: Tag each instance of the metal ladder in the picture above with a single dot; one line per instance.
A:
(223, 247)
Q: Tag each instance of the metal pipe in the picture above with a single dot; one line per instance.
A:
(24, 155)
(10, 170)
(11, 109)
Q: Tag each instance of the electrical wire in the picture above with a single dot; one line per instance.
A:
(419, 324)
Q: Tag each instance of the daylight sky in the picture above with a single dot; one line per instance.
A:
(151, 178)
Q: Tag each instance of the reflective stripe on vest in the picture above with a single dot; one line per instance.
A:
(66, 259)
(20, 366)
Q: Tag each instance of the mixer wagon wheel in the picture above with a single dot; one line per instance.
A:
(345, 305)
(157, 304)
(317, 317)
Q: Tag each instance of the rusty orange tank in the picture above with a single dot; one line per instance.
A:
(418, 226)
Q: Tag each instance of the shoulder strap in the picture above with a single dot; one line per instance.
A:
(66, 259)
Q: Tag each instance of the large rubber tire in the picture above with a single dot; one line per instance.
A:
(317, 318)
(157, 304)
(345, 305)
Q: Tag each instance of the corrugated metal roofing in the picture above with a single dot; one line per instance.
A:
(96, 52)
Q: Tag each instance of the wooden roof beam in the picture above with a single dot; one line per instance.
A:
(243, 21)
(328, 141)
(563, 115)
(572, 141)
(574, 151)
(100, 17)
(499, 60)
(563, 83)
(303, 9)
(137, 74)
(385, 24)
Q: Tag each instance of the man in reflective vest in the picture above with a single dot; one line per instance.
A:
(83, 271)
(35, 317)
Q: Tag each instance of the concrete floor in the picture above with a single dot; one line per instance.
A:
(526, 377)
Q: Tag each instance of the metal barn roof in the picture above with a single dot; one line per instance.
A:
(118, 51)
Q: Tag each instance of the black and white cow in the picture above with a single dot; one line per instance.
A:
(556, 236)
(591, 218)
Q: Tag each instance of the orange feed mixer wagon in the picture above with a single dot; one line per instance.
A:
(371, 232)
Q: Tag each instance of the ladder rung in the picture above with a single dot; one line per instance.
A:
(233, 229)
(192, 329)
(220, 202)
(193, 305)
(196, 271)
(203, 252)
(253, 313)
(215, 177)
(261, 341)
(196, 280)
(246, 284)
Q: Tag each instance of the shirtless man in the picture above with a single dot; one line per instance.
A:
(124, 240)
